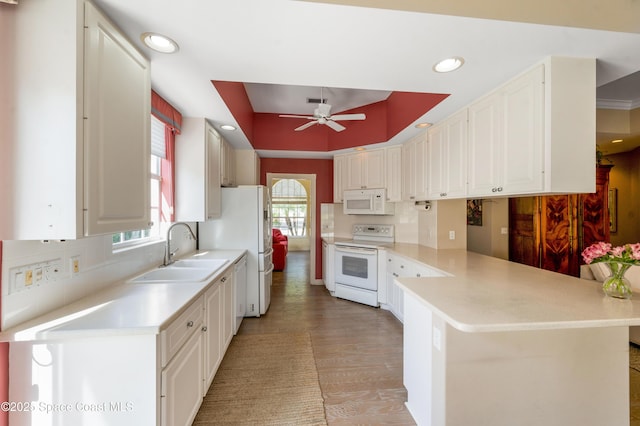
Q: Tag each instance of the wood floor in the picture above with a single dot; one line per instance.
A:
(357, 348)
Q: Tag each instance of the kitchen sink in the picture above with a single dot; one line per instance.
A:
(199, 263)
(186, 270)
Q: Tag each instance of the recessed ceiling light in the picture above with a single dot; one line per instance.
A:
(449, 64)
(159, 42)
(423, 125)
(359, 148)
(227, 127)
(616, 140)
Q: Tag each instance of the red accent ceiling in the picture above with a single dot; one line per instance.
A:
(385, 119)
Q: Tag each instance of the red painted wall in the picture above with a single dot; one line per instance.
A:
(323, 169)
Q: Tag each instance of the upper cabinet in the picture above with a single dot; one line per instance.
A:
(414, 168)
(376, 168)
(78, 158)
(366, 169)
(506, 138)
(447, 158)
(522, 135)
(227, 164)
(198, 150)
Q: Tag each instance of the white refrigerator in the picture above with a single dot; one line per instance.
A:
(245, 223)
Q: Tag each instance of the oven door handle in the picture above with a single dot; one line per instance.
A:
(356, 250)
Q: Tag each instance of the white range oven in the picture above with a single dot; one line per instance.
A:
(356, 263)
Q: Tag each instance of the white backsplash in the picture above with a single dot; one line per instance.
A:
(99, 267)
(404, 219)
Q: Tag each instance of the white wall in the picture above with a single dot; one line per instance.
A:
(99, 267)
(488, 239)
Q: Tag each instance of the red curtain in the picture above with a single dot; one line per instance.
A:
(172, 120)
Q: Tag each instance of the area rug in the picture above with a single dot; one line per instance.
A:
(265, 379)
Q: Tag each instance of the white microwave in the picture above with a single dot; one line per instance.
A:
(367, 201)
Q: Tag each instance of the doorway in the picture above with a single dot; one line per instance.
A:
(294, 212)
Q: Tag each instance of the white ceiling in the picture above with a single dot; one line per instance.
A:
(275, 45)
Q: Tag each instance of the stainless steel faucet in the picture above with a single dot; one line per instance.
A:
(168, 256)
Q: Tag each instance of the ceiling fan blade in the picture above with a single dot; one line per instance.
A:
(308, 117)
(335, 126)
(304, 126)
(348, 117)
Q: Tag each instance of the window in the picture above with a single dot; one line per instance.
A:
(158, 153)
(289, 206)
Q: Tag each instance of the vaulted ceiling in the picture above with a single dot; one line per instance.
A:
(271, 48)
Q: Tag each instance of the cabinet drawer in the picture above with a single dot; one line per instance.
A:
(174, 336)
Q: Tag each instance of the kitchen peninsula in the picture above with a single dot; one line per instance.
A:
(499, 343)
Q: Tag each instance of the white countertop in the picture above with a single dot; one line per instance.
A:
(489, 294)
(122, 308)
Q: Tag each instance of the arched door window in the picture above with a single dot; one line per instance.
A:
(289, 207)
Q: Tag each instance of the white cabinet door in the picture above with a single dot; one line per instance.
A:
(229, 316)
(374, 168)
(181, 393)
(408, 171)
(213, 194)
(197, 177)
(77, 160)
(414, 170)
(522, 134)
(506, 139)
(447, 158)
(485, 142)
(328, 266)
(117, 130)
(355, 171)
(227, 164)
(365, 170)
(213, 328)
(339, 177)
(394, 173)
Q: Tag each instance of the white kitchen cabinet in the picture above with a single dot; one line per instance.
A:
(227, 164)
(197, 176)
(447, 158)
(79, 162)
(229, 314)
(398, 266)
(220, 316)
(414, 165)
(213, 329)
(521, 135)
(181, 384)
(394, 173)
(365, 169)
(339, 177)
(247, 167)
(328, 266)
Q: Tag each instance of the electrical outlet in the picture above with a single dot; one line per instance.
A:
(452, 235)
(28, 277)
(75, 265)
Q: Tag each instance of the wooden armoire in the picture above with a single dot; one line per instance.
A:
(551, 231)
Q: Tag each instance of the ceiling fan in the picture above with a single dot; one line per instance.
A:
(322, 115)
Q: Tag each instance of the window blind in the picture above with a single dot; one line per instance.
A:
(158, 144)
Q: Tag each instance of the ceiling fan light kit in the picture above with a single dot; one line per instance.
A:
(322, 115)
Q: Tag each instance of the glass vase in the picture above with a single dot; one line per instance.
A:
(616, 285)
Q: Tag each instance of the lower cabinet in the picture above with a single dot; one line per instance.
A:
(398, 266)
(181, 384)
(128, 379)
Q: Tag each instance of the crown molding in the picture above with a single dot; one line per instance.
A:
(617, 104)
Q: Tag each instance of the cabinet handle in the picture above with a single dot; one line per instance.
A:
(190, 324)
(204, 328)
(394, 274)
(223, 279)
(499, 189)
(494, 189)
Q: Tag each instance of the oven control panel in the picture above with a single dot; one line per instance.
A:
(369, 231)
